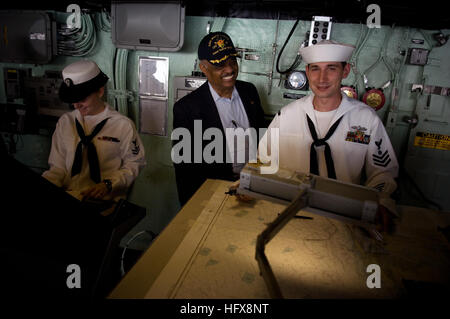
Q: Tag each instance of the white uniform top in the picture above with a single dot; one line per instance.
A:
(119, 148)
(359, 142)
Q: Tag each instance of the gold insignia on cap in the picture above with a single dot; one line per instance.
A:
(220, 43)
(224, 58)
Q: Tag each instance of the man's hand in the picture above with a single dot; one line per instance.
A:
(384, 219)
(98, 191)
(240, 197)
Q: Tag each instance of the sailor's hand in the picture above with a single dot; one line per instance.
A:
(98, 191)
(240, 197)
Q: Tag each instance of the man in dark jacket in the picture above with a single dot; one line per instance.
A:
(223, 103)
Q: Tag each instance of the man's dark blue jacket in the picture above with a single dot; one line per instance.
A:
(200, 105)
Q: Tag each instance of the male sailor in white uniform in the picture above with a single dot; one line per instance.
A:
(96, 151)
(329, 134)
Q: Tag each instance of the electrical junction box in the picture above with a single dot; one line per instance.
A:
(14, 82)
(417, 56)
(183, 85)
(320, 29)
(27, 37)
(152, 26)
(42, 93)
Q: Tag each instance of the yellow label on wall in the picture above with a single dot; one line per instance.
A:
(431, 140)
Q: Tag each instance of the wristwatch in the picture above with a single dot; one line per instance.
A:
(108, 184)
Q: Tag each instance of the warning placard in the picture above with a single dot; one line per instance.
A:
(432, 140)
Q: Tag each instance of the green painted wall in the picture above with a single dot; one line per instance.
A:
(155, 187)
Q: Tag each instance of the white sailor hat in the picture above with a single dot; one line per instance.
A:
(327, 51)
(80, 79)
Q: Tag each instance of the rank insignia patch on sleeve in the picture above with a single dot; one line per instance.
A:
(135, 150)
(381, 158)
(379, 187)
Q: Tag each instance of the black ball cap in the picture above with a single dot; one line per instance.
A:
(216, 48)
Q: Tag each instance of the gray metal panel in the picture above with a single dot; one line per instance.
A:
(148, 26)
(427, 159)
(27, 37)
(153, 116)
